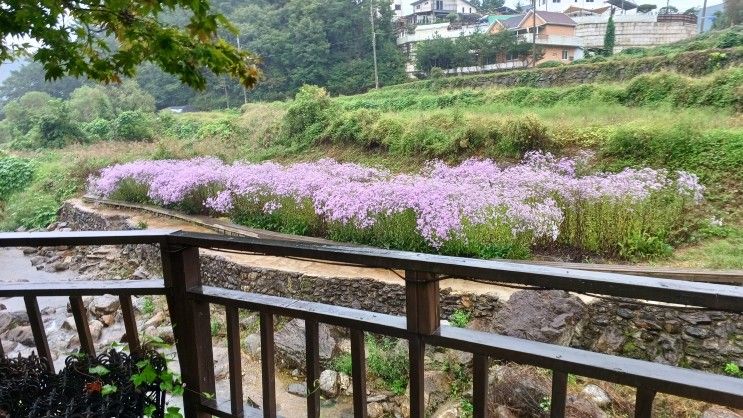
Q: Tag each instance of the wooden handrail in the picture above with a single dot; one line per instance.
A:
(189, 301)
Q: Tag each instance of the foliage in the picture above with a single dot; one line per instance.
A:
(387, 361)
(111, 38)
(646, 8)
(460, 318)
(131, 126)
(343, 364)
(89, 103)
(477, 49)
(609, 37)
(15, 175)
(307, 116)
(732, 369)
(549, 64)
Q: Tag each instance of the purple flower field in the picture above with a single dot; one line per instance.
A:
(477, 208)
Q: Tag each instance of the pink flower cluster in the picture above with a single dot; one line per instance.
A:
(531, 198)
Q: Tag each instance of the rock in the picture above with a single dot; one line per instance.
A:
(141, 273)
(299, 389)
(719, 412)
(221, 362)
(69, 324)
(86, 303)
(290, 344)
(2, 307)
(697, 332)
(376, 398)
(447, 410)
(253, 345)
(436, 388)
(329, 383)
(596, 395)
(549, 316)
(502, 411)
(374, 410)
(156, 320)
(61, 266)
(582, 407)
(249, 322)
(22, 335)
(344, 346)
(103, 305)
(5, 320)
(30, 251)
(96, 328)
(19, 318)
(165, 332)
(108, 320)
(520, 388)
(345, 384)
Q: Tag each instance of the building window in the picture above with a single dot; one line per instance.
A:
(555, 1)
(398, 7)
(439, 4)
(564, 54)
(470, 10)
(462, 9)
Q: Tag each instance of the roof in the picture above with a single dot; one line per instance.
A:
(421, 1)
(549, 18)
(512, 22)
(576, 9)
(623, 4)
(555, 18)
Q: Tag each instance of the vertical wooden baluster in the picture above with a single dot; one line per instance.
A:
(235, 359)
(81, 323)
(358, 372)
(268, 367)
(37, 327)
(559, 394)
(416, 358)
(423, 318)
(2, 351)
(191, 327)
(312, 354)
(644, 403)
(130, 323)
(480, 386)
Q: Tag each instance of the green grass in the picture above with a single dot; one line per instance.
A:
(712, 253)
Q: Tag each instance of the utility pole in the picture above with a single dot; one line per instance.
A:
(534, 33)
(704, 13)
(245, 93)
(374, 43)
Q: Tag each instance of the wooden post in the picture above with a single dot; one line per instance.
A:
(191, 326)
(559, 394)
(423, 312)
(480, 386)
(37, 326)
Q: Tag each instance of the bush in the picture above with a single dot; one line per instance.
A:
(15, 175)
(730, 39)
(307, 116)
(549, 64)
(131, 126)
(30, 210)
(97, 130)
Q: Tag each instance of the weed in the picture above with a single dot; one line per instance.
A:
(460, 318)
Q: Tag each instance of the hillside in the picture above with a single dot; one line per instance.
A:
(671, 109)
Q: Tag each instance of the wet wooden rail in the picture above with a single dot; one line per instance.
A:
(189, 302)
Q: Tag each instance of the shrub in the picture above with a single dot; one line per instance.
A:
(15, 175)
(131, 126)
(307, 116)
(30, 209)
(730, 39)
(523, 134)
(389, 362)
(549, 64)
(460, 318)
(130, 190)
(97, 130)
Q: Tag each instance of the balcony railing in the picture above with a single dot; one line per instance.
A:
(189, 302)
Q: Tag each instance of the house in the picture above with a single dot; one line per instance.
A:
(432, 11)
(555, 34)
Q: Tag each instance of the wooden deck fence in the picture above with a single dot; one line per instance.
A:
(189, 305)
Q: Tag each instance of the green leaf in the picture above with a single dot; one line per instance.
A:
(146, 376)
(99, 370)
(108, 389)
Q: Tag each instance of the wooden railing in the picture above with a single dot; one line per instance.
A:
(189, 302)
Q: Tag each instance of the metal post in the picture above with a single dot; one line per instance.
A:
(374, 43)
(704, 13)
(534, 34)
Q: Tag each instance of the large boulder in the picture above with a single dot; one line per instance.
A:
(290, 348)
(550, 316)
(104, 305)
(521, 389)
(22, 335)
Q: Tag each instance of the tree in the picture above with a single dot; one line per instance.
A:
(731, 15)
(88, 103)
(32, 77)
(670, 10)
(646, 8)
(490, 6)
(609, 37)
(692, 11)
(105, 40)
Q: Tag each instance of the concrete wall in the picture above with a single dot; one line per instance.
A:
(632, 31)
